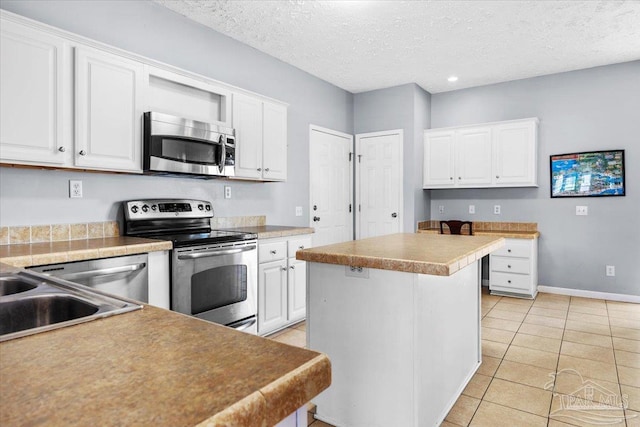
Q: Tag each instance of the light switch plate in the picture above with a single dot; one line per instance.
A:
(472, 209)
(611, 270)
(227, 192)
(496, 209)
(298, 210)
(440, 209)
(75, 189)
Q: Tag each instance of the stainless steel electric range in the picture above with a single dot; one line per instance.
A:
(213, 272)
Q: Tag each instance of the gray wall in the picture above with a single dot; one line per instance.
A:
(404, 107)
(594, 109)
(32, 196)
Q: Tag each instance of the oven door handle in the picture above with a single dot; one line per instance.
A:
(215, 253)
(243, 324)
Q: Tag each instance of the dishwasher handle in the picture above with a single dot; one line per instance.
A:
(217, 252)
(110, 271)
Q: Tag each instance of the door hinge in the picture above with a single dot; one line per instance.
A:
(359, 208)
(350, 155)
(349, 207)
(359, 158)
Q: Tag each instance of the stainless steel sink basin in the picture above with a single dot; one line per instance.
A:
(32, 302)
(12, 285)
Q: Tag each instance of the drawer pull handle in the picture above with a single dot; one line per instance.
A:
(273, 252)
(508, 250)
(293, 267)
(284, 268)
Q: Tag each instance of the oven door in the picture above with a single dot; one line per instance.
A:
(217, 283)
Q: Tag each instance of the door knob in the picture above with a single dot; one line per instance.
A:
(394, 215)
(316, 218)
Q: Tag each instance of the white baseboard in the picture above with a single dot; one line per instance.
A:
(589, 294)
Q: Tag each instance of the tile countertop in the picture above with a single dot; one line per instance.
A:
(27, 255)
(439, 255)
(155, 367)
(271, 231)
(507, 234)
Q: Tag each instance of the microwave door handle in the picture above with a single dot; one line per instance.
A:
(223, 153)
(218, 252)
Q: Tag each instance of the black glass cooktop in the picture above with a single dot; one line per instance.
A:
(203, 238)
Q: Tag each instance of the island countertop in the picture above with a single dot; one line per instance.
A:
(439, 255)
(155, 367)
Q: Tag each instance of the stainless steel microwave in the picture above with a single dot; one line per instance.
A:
(174, 145)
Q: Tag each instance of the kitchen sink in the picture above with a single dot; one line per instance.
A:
(31, 303)
(12, 285)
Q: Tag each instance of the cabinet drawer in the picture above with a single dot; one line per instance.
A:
(515, 248)
(506, 281)
(272, 251)
(298, 244)
(510, 265)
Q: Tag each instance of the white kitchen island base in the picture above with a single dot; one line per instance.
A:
(402, 345)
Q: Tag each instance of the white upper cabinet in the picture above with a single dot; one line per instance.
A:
(439, 159)
(473, 156)
(261, 138)
(515, 153)
(32, 87)
(501, 154)
(108, 111)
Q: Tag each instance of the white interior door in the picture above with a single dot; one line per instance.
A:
(331, 178)
(379, 183)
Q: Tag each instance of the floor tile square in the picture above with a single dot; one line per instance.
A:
(589, 368)
(591, 352)
(624, 306)
(551, 345)
(587, 338)
(540, 331)
(633, 394)
(507, 325)
(507, 315)
(463, 410)
(497, 335)
(589, 318)
(570, 383)
(526, 374)
(633, 418)
(626, 345)
(625, 323)
(553, 305)
(563, 409)
(622, 314)
(493, 349)
(477, 386)
(519, 396)
(493, 415)
(588, 302)
(598, 311)
(489, 366)
(548, 312)
(545, 321)
(631, 334)
(529, 356)
(627, 358)
(518, 308)
(592, 328)
(629, 376)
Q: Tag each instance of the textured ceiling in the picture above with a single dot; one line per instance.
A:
(366, 45)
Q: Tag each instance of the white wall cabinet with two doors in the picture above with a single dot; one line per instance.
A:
(282, 282)
(500, 154)
(68, 105)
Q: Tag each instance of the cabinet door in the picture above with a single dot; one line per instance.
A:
(274, 146)
(108, 111)
(297, 284)
(438, 159)
(32, 81)
(515, 154)
(473, 158)
(247, 121)
(272, 296)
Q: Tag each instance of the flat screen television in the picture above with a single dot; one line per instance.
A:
(588, 174)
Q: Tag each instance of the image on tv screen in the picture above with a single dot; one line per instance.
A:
(597, 173)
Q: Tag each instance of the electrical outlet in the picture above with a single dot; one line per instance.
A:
(227, 192)
(441, 209)
(75, 189)
(582, 210)
(298, 210)
(611, 270)
(472, 209)
(496, 209)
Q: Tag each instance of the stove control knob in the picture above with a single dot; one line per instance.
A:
(134, 209)
(145, 208)
(154, 208)
(201, 207)
(208, 207)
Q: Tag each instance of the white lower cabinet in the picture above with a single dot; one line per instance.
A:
(282, 283)
(514, 268)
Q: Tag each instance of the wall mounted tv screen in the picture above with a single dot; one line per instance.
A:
(595, 173)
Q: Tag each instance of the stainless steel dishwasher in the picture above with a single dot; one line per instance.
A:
(125, 276)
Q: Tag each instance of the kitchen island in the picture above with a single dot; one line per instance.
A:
(154, 367)
(399, 317)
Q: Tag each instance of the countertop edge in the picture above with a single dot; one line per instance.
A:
(508, 234)
(250, 411)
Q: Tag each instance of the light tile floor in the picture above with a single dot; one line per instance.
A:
(542, 359)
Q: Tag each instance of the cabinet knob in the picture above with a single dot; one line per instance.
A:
(284, 268)
(300, 247)
(82, 153)
(259, 169)
(293, 267)
(459, 177)
(266, 169)
(394, 215)
(508, 281)
(273, 252)
(509, 250)
(62, 149)
(497, 176)
(508, 266)
(451, 178)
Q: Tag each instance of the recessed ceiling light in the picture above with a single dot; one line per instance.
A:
(453, 79)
